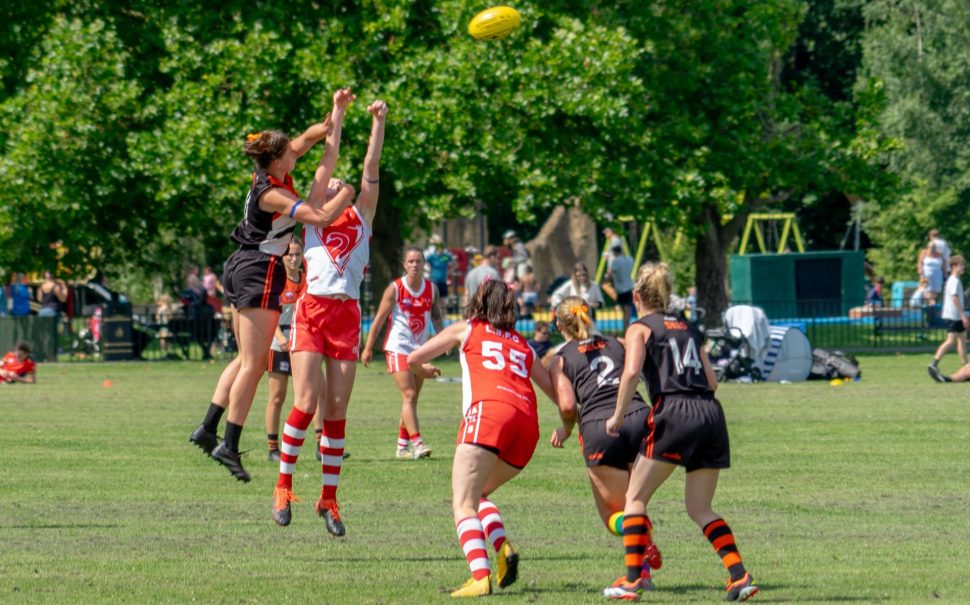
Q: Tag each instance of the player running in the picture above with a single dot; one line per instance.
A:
(253, 279)
(586, 375)
(327, 328)
(410, 306)
(687, 428)
(500, 429)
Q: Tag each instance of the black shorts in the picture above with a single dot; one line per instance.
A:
(442, 288)
(955, 326)
(624, 298)
(254, 279)
(279, 363)
(688, 430)
(600, 449)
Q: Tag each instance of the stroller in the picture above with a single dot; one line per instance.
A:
(731, 355)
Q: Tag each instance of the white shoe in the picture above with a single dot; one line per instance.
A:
(420, 451)
(405, 454)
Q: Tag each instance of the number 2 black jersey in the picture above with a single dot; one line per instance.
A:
(594, 366)
(673, 362)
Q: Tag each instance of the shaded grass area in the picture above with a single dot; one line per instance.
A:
(855, 493)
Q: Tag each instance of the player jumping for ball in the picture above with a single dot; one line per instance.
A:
(326, 329)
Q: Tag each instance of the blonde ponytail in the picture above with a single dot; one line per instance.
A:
(573, 317)
(654, 286)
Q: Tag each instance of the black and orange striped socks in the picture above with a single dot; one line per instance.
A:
(273, 441)
(722, 539)
(635, 536)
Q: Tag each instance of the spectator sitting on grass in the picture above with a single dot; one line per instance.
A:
(18, 366)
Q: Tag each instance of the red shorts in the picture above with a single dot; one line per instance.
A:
(396, 362)
(328, 326)
(502, 428)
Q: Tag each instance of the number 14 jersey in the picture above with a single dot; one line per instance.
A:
(673, 363)
(496, 365)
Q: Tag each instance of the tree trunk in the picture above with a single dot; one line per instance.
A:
(710, 259)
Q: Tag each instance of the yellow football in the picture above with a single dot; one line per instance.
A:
(494, 23)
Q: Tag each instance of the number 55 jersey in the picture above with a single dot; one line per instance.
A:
(498, 401)
(496, 366)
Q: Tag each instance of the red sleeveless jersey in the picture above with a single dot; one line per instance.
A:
(496, 365)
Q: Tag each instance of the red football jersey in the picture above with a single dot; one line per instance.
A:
(20, 368)
(496, 365)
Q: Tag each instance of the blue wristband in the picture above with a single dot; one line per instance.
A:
(293, 209)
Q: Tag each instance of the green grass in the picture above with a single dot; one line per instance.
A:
(857, 493)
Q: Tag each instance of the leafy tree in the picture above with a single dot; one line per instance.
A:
(918, 55)
(675, 111)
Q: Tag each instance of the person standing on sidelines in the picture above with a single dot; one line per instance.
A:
(278, 367)
(620, 272)
(409, 306)
(586, 375)
(326, 327)
(252, 279)
(686, 428)
(953, 315)
(482, 273)
(500, 430)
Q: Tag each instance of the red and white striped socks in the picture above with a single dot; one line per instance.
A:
(402, 438)
(331, 456)
(471, 535)
(294, 432)
(491, 520)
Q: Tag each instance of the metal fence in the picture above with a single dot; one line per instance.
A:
(855, 326)
(137, 332)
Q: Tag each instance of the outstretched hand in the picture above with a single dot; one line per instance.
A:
(559, 436)
(343, 97)
(378, 109)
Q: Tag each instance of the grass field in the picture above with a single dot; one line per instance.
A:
(857, 493)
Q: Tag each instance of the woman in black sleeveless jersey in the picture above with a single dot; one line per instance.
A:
(686, 428)
(586, 374)
(253, 278)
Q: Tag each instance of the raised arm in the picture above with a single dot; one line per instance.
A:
(370, 182)
(312, 135)
(383, 310)
(636, 351)
(331, 151)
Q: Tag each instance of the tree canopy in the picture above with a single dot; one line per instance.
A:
(123, 121)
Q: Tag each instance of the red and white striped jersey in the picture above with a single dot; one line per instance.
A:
(407, 326)
(496, 365)
(337, 255)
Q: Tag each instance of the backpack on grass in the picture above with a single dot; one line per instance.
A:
(833, 364)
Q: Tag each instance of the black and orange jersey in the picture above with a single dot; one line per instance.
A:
(270, 232)
(594, 366)
(673, 362)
